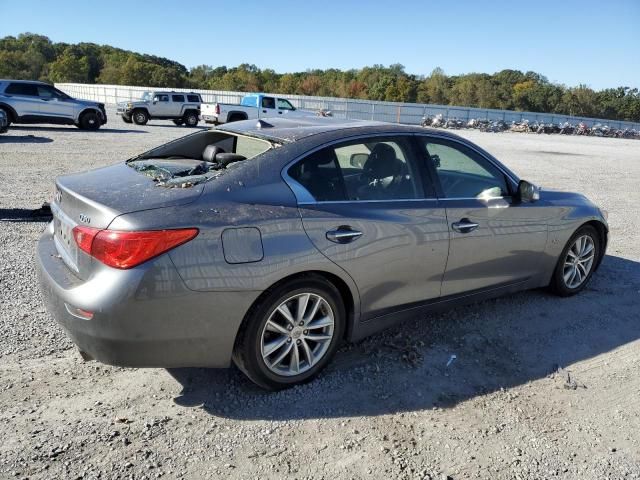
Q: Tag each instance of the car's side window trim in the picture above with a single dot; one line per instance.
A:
(304, 197)
(510, 181)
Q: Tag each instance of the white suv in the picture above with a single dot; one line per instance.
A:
(181, 107)
(26, 101)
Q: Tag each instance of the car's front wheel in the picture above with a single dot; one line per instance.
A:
(126, 119)
(89, 121)
(290, 335)
(577, 262)
(140, 117)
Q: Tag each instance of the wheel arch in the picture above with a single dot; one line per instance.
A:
(90, 110)
(237, 116)
(350, 298)
(145, 109)
(603, 233)
(13, 115)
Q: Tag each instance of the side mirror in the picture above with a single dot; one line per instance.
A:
(357, 160)
(528, 192)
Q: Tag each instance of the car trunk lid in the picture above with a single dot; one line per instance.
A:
(95, 198)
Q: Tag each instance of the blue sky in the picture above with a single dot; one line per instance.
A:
(571, 42)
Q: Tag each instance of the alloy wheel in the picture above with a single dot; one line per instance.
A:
(297, 334)
(579, 261)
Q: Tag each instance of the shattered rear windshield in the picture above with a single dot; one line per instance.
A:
(197, 158)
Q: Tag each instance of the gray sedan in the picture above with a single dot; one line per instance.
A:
(269, 243)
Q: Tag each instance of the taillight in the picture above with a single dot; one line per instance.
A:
(121, 249)
(217, 109)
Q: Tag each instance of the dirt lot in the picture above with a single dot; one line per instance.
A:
(541, 387)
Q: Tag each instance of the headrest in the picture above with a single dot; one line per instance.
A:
(210, 152)
(382, 162)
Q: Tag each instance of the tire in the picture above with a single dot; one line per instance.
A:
(190, 119)
(140, 117)
(9, 116)
(89, 121)
(127, 120)
(178, 122)
(571, 255)
(254, 335)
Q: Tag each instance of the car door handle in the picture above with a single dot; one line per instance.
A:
(464, 226)
(280, 112)
(264, 111)
(343, 234)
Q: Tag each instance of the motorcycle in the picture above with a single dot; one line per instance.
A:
(520, 127)
(566, 129)
(582, 129)
(426, 121)
(438, 121)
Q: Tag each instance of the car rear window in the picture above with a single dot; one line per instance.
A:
(22, 89)
(177, 98)
(194, 98)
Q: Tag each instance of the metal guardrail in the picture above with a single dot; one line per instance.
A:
(395, 112)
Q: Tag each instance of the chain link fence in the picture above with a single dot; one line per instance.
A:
(395, 112)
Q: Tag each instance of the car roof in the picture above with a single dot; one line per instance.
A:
(292, 130)
(2, 80)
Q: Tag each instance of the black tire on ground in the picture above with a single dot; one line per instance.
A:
(247, 352)
(190, 119)
(178, 122)
(89, 121)
(127, 120)
(558, 284)
(140, 117)
(9, 116)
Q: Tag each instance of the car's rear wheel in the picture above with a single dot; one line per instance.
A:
(8, 114)
(577, 262)
(291, 334)
(178, 122)
(190, 119)
(89, 121)
(140, 117)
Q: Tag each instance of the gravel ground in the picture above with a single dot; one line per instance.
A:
(541, 387)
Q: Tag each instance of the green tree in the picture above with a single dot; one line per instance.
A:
(69, 68)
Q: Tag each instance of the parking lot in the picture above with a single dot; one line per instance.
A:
(526, 386)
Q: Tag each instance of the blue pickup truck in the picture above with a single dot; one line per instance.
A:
(252, 106)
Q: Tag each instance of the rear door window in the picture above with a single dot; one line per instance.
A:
(177, 98)
(26, 89)
(374, 169)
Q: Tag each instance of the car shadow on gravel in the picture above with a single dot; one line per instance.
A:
(443, 359)
(42, 214)
(24, 139)
(72, 128)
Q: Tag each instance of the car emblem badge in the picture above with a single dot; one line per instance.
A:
(58, 196)
(84, 218)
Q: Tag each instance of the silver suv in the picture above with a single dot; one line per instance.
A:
(181, 107)
(26, 101)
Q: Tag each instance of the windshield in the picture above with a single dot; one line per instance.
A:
(146, 97)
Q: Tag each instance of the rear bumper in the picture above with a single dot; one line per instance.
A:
(143, 317)
(209, 118)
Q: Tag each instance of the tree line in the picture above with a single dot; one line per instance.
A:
(36, 57)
